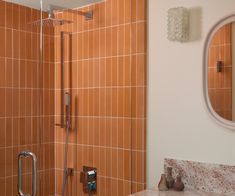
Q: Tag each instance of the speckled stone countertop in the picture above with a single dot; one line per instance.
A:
(174, 193)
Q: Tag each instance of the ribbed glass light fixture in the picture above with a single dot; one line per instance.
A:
(178, 24)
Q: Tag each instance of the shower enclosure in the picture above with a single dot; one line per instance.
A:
(72, 97)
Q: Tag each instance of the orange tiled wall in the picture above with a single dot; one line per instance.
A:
(106, 76)
(220, 83)
(20, 92)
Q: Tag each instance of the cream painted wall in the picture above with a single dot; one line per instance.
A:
(179, 125)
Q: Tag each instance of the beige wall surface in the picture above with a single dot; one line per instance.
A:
(179, 125)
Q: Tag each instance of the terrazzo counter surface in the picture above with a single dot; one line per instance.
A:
(173, 193)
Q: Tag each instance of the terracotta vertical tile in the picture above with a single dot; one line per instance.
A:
(28, 101)
(114, 34)
(16, 73)
(120, 164)
(227, 78)
(108, 132)
(140, 167)
(22, 18)
(127, 70)
(9, 162)
(91, 43)
(228, 100)
(108, 75)
(22, 45)
(91, 127)
(134, 166)
(3, 42)
(121, 71)
(2, 13)
(95, 43)
(228, 55)
(115, 13)
(127, 102)
(28, 128)
(9, 73)
(86, 46)
(134, 45)
(211, 78)
(127, 132)
(120, 187)
(133, 10)
(91, 73)
(28, 44)
(127, 44)
(86, 73)
(102, 46)
(140, 110)
(9, 39)
(28, 19)
(22, 103)
(16, 41)
(114, 163)
(219, 100)
(3, 72)
(127, 188)
(114, 72)
(2, 102)
(102, 169)
(16, 16)
(121, 10)
(120, 103)
(9, 102)
(102, 132)
(75, 47)
(134, 134)
(121, 134)
(141, 9)
(2, 133)
(108, 102)
(108, 12)
(141, 37)
(108, 41)
(121, 40)
(2, 162)
(114, 96)
(141, 70)
(228, 33)
(114, 187)
(97, 132)
(102, 189)
(9, 15)
(108, 162)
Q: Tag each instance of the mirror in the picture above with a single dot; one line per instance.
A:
(219, 72)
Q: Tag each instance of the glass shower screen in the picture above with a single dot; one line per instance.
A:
(72, 104)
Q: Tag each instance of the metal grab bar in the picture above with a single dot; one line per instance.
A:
(25, 154)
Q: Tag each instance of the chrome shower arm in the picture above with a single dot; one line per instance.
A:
(55, 9)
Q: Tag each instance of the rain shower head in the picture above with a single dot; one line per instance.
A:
(52, 21)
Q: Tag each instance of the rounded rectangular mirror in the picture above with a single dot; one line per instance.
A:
(219, 71)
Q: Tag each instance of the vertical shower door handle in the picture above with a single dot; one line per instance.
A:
(25, 154)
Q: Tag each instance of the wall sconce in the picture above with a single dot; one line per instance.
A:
(178, 24)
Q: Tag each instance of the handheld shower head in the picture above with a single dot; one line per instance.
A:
(67, 99)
